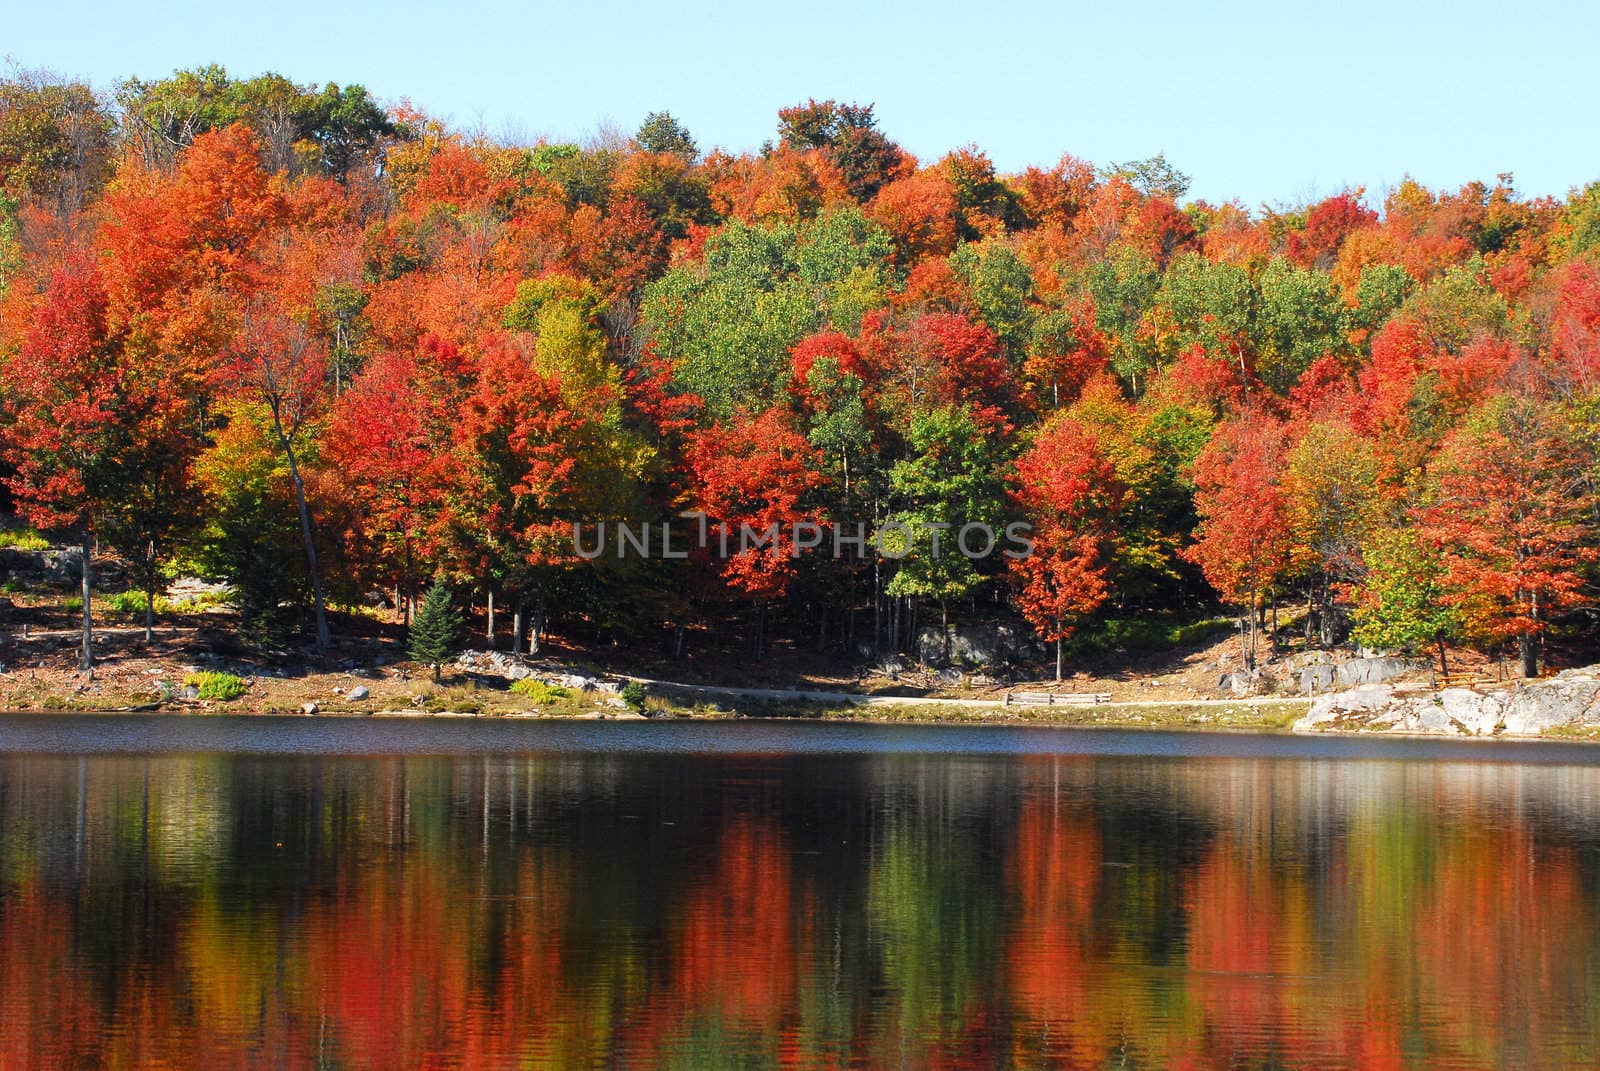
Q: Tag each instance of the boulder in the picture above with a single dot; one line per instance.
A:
(358, 693)
(309, 709)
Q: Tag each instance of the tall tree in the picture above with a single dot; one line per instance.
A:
(1070, 493)
(1510, 516)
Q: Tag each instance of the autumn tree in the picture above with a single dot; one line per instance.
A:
(1510, 517)
(1242, 543)
(1069, 492)
(278, 363)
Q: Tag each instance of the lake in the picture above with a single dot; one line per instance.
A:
(237, 893)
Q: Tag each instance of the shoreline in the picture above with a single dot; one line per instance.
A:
(1114, 717)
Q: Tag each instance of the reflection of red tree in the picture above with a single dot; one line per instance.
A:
(735, 951)
(1055, 870)
(48, 1018)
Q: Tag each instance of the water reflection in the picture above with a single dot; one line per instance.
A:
(826, 911)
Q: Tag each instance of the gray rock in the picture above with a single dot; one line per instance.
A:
(951, 677)
(1316, 679)
(1358, 671)
(358, 693)
(1547, 704)
(190, 692)
(309, 709)
(978, 645)
(1473, 712)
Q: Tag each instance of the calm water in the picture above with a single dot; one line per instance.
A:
(239, 893)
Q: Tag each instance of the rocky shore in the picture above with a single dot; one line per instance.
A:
(1566, 704)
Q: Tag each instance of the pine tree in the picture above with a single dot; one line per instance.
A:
(436, 633)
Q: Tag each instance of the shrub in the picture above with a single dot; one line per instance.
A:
(132, 602)
(22, 539)
(633, 694)
(212, 685)
(539, 691)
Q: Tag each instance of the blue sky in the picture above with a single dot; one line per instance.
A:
(1265, 102)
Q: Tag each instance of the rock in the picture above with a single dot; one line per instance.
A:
(517, 672)
(1473, 712)
(309, 709)
(358, 693)
(1540, 705)
(190, 692)
(978, 645)
(1358, 671)
(1318, 678)
(951, 677)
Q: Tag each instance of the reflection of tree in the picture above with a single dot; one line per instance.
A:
(492, 913)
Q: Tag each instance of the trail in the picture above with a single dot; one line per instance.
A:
(795, 695)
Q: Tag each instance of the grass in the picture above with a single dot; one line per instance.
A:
(219, 686)
(1276, 716)
(1146, 634)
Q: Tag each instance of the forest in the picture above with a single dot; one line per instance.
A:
(330, 351)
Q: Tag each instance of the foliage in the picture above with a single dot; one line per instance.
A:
(316, 348)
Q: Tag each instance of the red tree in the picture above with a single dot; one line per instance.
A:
(1069, 491)
(1512, 520)
(1242, 543)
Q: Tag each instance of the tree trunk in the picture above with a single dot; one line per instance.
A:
(1528, 645)
(489, 635)
(86, 659)
(516, 630)
(1059, 659)
(306, 535)
(149, 593)
(677, 642)
(944, 630)
(538, 625)
(1444, 666)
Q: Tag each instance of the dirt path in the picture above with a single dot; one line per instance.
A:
(793, 695)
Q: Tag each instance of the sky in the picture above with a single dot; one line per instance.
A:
(1267, 103)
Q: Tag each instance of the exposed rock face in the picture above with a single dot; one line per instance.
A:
(1527, 709)
(978, 645)
(1325, 677)
(60, 567)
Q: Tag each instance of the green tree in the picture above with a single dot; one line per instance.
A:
(436, 633)
(662, 133)
(1401, 603)
(1002, 290)
(952, 479)
(727, 324)
(1299, 318)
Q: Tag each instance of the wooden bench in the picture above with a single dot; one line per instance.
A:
(1050, 699)
(1465, 680)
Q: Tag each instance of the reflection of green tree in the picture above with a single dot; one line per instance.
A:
(933, 905)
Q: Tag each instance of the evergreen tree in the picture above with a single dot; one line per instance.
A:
(436, 633)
